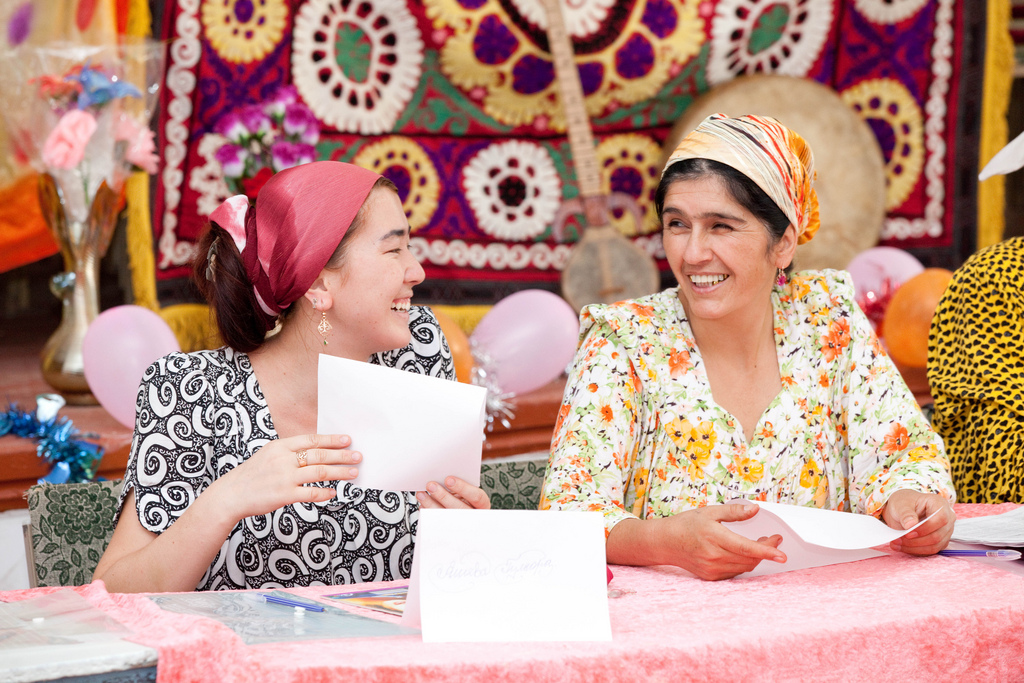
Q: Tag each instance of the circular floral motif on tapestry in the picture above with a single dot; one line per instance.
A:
(781, 36)
(243, 31)
(407, 165)
(888, 11)
(493, 52)
(357, 64)
(513, 189)
(582, 17)
(895, 118)
(630, 164)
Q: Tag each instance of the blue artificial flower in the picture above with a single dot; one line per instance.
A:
(98, 88)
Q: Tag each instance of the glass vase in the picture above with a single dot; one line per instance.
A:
(83, 242)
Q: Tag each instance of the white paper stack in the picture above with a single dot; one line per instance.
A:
(1002, 530)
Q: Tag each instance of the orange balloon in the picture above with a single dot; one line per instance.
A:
(909, 316)
(458, 342)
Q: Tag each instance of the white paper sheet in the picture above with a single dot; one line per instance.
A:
(812, 537)
(410, 428)
(486, 576)
(996, 530)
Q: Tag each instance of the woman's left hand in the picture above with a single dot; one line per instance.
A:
(907, 507)
(456, 493)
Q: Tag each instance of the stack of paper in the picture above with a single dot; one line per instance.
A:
(1006, 529)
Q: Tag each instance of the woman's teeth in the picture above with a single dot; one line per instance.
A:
(400, 306)
(707, 280)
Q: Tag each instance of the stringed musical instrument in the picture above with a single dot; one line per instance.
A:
(604, 266)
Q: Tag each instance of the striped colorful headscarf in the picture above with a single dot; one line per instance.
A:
(777, 159)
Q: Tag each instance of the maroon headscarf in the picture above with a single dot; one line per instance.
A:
(298, 221)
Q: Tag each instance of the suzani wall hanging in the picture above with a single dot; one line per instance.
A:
(456, 101)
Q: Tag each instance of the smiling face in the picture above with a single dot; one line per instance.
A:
(367, 297)
(720, 253)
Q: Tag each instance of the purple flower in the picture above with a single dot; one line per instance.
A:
(299, 122)
(288, 154)
(232, 159)
(230, 126)
(253, 118)
(279, 101)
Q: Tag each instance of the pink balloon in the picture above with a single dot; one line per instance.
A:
(881, 270)
(118, 347)
(530, 337)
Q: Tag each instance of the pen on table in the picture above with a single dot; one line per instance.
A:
(291, 602)
(1001, 554)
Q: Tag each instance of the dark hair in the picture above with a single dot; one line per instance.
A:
(743, 190)
(220, 276)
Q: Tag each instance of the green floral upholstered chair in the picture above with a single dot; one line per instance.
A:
(71, 524)
(69, 528)
(514, 483)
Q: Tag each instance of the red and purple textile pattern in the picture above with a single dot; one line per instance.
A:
(455, 100)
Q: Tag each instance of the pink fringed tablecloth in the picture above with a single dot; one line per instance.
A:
(888, 618)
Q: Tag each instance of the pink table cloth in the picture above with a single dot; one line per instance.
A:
(888, 618)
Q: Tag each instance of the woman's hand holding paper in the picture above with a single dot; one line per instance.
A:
(456, 493)
(694, 540)
(276, 474)
(907, 507)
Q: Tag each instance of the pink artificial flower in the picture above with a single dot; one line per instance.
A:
(232, 160)
(65, 146)
(230, 126)
(299, 122)
(286, 154)
(141, 149)
(279, 101)
(255, 121)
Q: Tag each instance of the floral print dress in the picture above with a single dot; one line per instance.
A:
(639, 434)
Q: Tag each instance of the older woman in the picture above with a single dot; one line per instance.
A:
(739, 383)
(228, 485)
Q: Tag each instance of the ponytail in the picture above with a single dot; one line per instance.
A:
(219, 274)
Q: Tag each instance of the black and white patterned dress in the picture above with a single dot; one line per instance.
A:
(199, 415)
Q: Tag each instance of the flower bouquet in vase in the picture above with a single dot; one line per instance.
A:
(80, 115)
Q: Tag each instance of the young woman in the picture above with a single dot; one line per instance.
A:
(228, 485)
(739, 383)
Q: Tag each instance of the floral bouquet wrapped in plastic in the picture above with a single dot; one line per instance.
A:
(262, 139)
(79, 114)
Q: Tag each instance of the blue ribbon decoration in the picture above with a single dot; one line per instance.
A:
(73, 459)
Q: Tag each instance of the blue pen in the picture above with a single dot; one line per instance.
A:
(291, 602)
(1001, 554)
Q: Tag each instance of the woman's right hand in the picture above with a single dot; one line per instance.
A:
(697, 541)
(274, 476)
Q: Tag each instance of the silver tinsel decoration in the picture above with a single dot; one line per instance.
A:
(499, 404)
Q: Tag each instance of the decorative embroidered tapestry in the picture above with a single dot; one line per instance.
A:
(456, 102)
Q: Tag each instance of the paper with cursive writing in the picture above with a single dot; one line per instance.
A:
(411, 429)
(812, 537)
(489, 576)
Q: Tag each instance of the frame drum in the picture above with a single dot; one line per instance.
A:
(848, 160)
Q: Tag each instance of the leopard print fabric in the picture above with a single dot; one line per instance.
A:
(976, 374)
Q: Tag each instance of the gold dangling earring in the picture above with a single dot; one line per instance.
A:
(324, 328)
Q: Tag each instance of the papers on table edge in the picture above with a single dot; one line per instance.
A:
(1006, 529)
